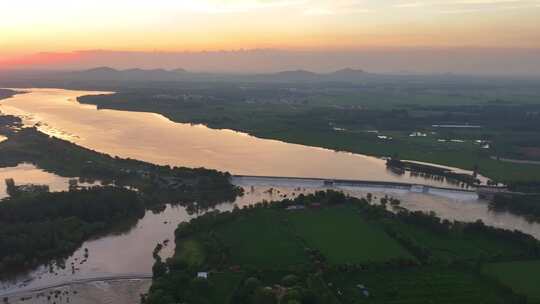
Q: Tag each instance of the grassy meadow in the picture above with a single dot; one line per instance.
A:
(457, 245)
(261, 240)
(344, 237)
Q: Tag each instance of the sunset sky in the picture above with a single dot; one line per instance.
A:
(62, 26)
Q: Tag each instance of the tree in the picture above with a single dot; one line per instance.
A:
(264, 295)
(159, 269)
(11, 188)
(289, 280)
(251, 284)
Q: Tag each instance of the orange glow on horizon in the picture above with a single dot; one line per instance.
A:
(39, 59)
(29, 27)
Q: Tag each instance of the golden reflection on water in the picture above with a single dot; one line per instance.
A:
(29, 174)
(152, 137)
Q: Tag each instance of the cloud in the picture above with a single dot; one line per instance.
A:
(410, 4)
(225, 7)
(307, 7)
(319, 12)
(335, 7)
(464, 6)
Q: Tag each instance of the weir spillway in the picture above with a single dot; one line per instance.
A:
(340, 183)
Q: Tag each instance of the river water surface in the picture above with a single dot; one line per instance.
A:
(154, 138)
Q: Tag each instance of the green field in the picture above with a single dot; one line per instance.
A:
(460, 155)
(522, 277)
(277, 238)
(347, 251)
(457, 245)
(387, 100)
(344, 237)
(191, 252)
(419, 285)
(261, 240)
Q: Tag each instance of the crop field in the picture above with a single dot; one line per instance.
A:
(418, 285)
(262, 240)
(523, 277)
(391, 99)
(457, 246)
(270, 238)
(344, 237)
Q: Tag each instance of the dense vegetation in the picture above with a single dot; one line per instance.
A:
(521, 276)
(330, 248)
(344, 117)
(465, 180)
(527, 205)
(44, 226)
(6, 93)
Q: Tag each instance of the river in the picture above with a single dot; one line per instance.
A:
(153, 138)
(29, 174)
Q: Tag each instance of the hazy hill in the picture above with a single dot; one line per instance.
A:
(302, 76)
(107, 76)
(106, 73)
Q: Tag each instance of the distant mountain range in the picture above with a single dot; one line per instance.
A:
(110, 74)
(109, 77)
